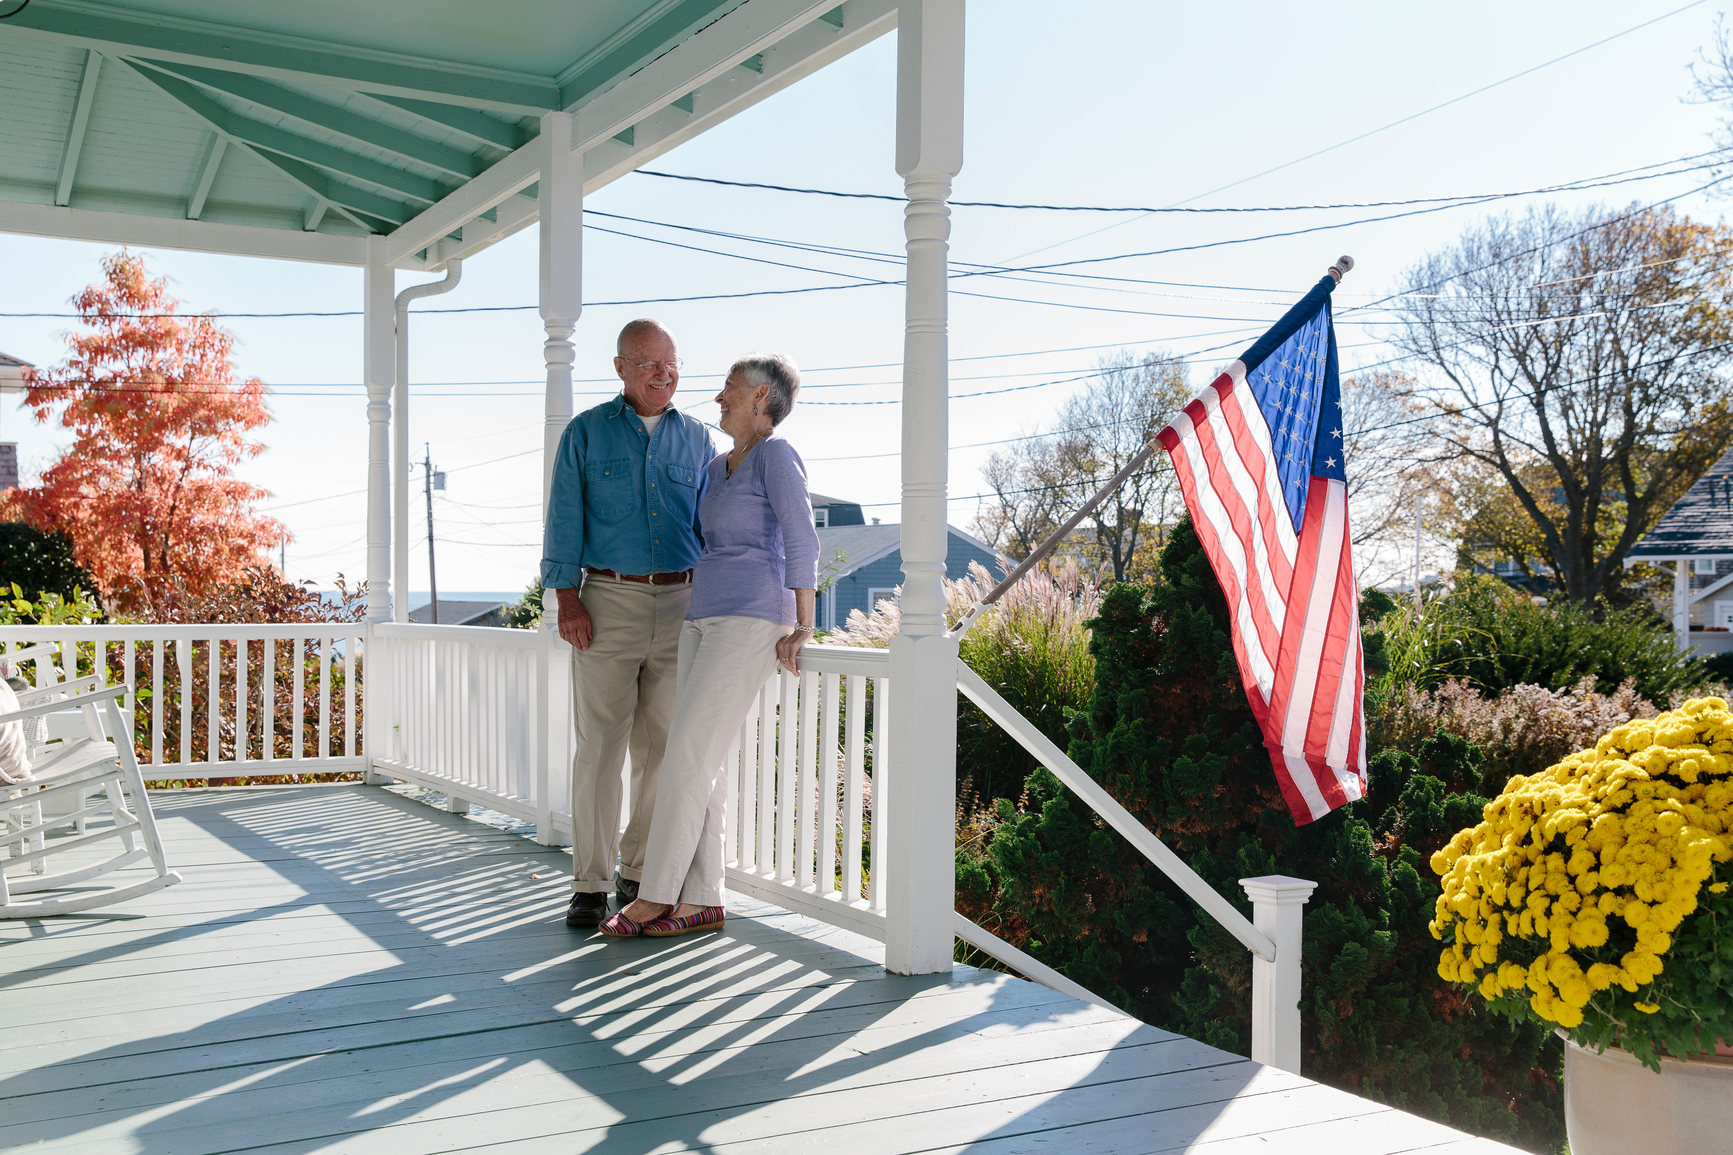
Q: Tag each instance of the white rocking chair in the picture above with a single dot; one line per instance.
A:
(76, 772)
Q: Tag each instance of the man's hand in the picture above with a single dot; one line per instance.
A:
(574, 623)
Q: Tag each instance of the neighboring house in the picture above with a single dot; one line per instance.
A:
(461, 613)
(11, 381)
(829, 511)
(872, 567)
(1696, 537)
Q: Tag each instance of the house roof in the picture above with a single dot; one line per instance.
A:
(10, 362)
(1700, 524)
(819, 500)
(297, 130)
(453, 613)
(865, 544)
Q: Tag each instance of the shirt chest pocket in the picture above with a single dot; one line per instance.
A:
(681, 495)
(608, 487)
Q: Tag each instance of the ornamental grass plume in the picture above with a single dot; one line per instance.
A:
(1595, 895)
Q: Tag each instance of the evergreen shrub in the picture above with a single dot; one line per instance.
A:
(40, 562)
(1168, 732)
(1494, 638)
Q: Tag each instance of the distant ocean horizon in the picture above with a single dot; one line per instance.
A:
(419, 598)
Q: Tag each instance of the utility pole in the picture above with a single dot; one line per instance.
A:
(432, 581)
(283, 558)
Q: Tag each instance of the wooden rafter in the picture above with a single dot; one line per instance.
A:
(478, 126)
(267, 94)
(310, 179)
(240, 50)
(207, 175)
(80, 122)
(274, 138)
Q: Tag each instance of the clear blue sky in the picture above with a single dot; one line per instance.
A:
(1113, 103)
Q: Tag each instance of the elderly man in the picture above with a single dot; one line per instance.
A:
(618, 552)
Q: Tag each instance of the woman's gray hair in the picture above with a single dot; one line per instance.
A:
(776, 371)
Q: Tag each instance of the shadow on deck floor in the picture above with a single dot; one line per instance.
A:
(346, 970)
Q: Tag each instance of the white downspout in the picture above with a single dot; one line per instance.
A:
(400, 437)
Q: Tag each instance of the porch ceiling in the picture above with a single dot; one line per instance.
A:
(296, 130)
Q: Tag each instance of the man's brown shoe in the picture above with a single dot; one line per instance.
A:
(587, 909)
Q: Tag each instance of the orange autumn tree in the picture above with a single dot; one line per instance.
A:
(146, 490)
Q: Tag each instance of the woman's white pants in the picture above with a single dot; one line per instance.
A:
(724, 662)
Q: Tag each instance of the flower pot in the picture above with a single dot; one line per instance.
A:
(1614, 1104)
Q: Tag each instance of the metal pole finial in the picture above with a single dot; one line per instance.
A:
(1341, 268)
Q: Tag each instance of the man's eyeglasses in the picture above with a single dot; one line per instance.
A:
(672, 365)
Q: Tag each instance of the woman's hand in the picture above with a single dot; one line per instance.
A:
(789, 647)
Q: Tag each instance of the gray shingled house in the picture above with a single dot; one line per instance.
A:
(871, 566)
(1696, 538)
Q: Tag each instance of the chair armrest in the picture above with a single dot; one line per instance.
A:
(57, 691)
(64, 704)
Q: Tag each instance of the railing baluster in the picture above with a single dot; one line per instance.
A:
(786, 775)
(158, 656)
(298, 685)
(741, 788)
(805, 785)
(881, 773)
(268, 701)
(765, 770)
(854, 782)
(830, 687)
(185, 659)
(324, 645)
(213, 700)
(351, 729)
(243, 651)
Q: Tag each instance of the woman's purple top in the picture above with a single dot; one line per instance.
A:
(759, 541)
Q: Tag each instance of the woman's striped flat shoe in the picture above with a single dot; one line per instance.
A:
(618, 925)
(706, 918)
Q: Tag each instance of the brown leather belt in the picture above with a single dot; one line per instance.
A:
(655, 579)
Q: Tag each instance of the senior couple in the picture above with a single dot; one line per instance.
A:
(683, 575)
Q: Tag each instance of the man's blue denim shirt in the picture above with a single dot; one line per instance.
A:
(624, 500)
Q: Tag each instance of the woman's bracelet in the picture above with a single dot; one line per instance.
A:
(803, 629)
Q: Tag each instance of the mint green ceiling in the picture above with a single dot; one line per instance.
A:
(344, 116)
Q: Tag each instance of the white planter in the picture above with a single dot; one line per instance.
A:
(1614, 1104)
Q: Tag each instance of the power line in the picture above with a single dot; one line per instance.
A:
(1568, 186)
(1386, 127)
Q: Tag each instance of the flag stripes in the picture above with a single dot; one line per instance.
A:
(1293, 604)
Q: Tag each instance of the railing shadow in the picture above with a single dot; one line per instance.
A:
(429, 997)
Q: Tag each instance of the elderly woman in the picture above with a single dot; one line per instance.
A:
(752, 603)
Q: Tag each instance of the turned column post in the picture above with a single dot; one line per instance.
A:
(919, 871)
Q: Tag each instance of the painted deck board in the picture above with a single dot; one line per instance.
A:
(346, 970)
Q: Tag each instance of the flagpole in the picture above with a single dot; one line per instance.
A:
(1336, 272)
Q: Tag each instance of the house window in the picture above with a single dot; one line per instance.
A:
(1723, 615)
(821, 517)
(1703, 565)
(1506, 565)
(878, 594)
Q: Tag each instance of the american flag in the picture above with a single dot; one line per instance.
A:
(1259, 459)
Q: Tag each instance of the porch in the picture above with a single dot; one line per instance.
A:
(346, 969)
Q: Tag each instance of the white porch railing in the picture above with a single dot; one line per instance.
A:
(220, 701)
(484, 716)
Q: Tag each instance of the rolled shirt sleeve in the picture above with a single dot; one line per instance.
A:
(563, 534)
(785, 487)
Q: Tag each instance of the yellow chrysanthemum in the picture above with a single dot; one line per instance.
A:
(1632, 829)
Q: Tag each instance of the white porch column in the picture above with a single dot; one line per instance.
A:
(922, 806)
(561, 204)
(379, 355)
(561, 200)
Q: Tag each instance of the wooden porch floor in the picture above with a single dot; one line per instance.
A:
(347, 970)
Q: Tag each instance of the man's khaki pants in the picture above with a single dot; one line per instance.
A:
(623, 694)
